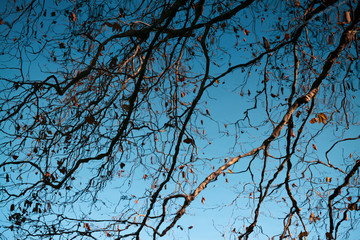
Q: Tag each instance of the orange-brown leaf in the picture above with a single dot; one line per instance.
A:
(87, 226)
(303, 235)
(321, 118)
(72, 17)
(313, 120)
(347, 16)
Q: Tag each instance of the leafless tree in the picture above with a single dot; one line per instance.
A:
(117, 118)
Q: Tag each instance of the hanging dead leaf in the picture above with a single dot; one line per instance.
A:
(292, 133)
(321, 118)
(188, 140)
(115, 27)
(230, 171)
(347, 17)
(72, 17)
(303, 235)
(314, 146)
(266, 44)
(207, 111)
(202, 200)
(330, 39)
(313, 218)
(313, 120)
(328, 179)
(87, 226)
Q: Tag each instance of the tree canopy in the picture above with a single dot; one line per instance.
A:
(133, 119)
